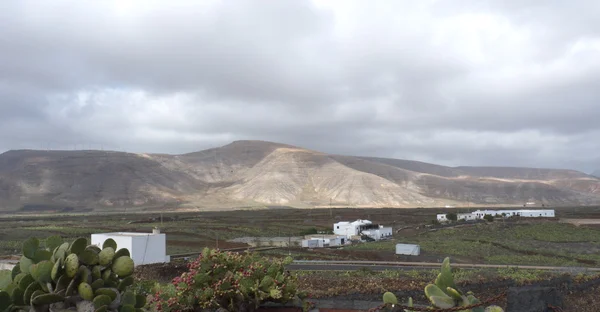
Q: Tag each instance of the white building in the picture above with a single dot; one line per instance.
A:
(362, 227)
(529, 213)
(145, 248)
(314, 241)
(479, 214)
(408, 249)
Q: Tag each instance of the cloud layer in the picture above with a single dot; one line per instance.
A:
(452, 82)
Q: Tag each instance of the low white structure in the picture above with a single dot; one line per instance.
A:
(479, 214)
(145, 248)
(379, 233)
(408, 249)
(528, 213)
(312, 243)
(362, 227)
(316, 241)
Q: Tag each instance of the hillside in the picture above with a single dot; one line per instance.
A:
(254, 173)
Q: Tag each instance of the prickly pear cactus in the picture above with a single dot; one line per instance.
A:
(228, 282)
(57, 276)
(443, 293)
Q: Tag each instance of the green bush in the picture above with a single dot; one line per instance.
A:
(232, 281)
(444, 294)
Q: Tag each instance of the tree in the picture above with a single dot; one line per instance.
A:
(488, 218)
(451, 216)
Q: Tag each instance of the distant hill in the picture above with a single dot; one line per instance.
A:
(596, 173)
(254, 173)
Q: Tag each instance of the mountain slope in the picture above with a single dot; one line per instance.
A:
(257, 173)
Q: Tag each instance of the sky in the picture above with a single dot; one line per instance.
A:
(453, 82)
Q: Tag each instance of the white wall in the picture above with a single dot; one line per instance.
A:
(408, 249)
(380, 233)
(121, 240)
(346, 229)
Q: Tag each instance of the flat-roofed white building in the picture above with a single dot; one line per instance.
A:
(362, 227)
(145, 248)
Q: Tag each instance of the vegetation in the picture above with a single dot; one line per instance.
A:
(60, 275)
(444, 294)
(236, 282)
(451, 216)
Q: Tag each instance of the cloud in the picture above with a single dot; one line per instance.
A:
(453, 82)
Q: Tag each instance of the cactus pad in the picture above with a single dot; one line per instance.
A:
(47, 299)
(106, 291)
(41, 255)
(122, 252)
(102, 300)
(24, 281)
(42, 271)
(56, 270)
(106, 255)
(17, 296)
(110, 243)
(53, 242)
(140, 301)
(89, 257)
(78, 246)
(15, 270)
(123, 266)
(29, 292)
(99, 283)
(127, 308)
(126, 282)
(129, 298)
(390, 298)
(71, 265)
(102, 309)
(5, 301)
(24, 264)
(93, 248)
(30, 246)
(85, 291)
(96, 272)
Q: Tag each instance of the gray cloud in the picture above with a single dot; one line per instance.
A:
(453, 82)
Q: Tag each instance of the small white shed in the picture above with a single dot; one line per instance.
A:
(145, 248)
(408, 249)
(312, 243)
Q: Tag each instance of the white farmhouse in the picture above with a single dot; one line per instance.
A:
(479, 214)
(362, 227)
(145, 248)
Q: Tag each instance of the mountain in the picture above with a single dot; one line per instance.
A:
(596, 173)
(255, 173)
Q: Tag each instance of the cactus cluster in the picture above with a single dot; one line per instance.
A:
(230, 281)
(64, 277)
(443, 294)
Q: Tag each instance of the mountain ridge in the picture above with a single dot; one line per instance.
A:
(258, 173)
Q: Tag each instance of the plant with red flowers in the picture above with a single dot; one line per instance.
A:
(232, 281)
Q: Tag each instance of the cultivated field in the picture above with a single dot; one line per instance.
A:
(524, 241)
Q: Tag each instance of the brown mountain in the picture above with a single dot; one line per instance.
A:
(255, 173)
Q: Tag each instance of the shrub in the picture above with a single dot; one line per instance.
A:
(232, 281)
(443, 294)
(451, 216)
(488, 218)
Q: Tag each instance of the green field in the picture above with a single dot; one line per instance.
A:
(527, 242)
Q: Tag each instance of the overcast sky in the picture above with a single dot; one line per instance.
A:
(454, 82)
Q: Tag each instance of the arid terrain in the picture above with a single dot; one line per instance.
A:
(261, 174)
